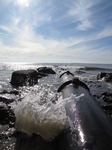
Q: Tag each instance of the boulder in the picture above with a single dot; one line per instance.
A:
(46, 70)
(24, 77)
(6, 115)
(107, 76)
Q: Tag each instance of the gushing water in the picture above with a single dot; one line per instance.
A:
(46, 119)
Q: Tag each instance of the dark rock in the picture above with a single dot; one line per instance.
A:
(107, 94)
(107, 107)
(15, 92)
(11, 124)
(4, 92)
(6, 100)
(3, 136)
(107, 97)
(104, 98)
(6, 115)
(107, 76)
(46, 70)
(101, 75)
(24, 77)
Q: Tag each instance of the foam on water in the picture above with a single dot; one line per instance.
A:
(45, 118)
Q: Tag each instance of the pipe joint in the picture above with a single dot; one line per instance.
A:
(75, 82)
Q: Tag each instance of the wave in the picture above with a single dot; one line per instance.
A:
(90, 68)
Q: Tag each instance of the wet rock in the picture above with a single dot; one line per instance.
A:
(107, 94)
(15, 92)
(11, 124)
(107, 97)
(107, 107)
(6, 133)
(46, 70)
(6, 115)
(6, 100)
(24, 77)
(107, 76)
(2, 135)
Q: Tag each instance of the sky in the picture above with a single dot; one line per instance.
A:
(56, 31)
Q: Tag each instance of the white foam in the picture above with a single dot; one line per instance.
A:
(46, 119)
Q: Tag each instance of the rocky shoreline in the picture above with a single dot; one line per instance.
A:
(12, 139)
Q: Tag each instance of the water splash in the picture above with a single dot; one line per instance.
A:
(45, 118)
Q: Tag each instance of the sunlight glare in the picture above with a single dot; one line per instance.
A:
(81, 134)
(23, 3)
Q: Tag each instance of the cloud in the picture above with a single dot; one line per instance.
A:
(57, 31)
(106, 32)
(5, 28)
(80, 10)
(28, 46)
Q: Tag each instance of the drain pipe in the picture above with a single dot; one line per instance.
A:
(92, 130)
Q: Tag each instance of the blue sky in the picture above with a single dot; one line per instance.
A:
(61, 31)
